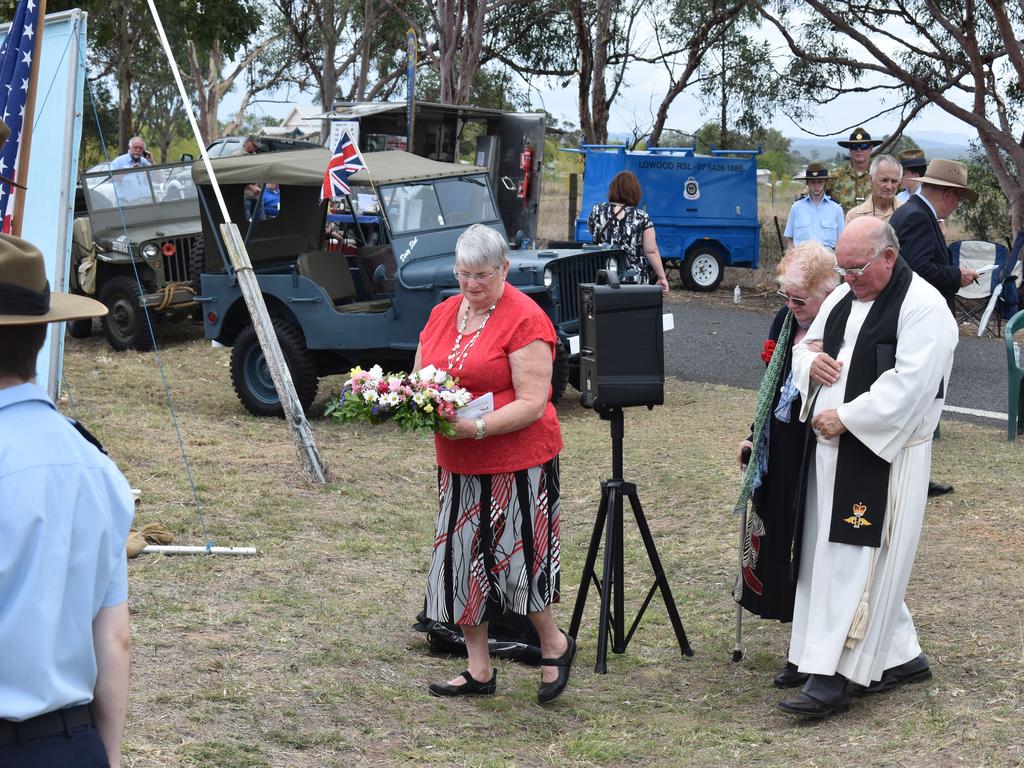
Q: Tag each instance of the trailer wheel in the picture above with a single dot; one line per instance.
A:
(702, 269)
(250, 375)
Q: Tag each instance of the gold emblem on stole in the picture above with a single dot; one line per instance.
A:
(857, 519)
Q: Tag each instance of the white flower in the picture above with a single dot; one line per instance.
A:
(370, 395)
(376, 372)
(440, 377)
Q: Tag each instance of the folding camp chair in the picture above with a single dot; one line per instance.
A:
(994, 295)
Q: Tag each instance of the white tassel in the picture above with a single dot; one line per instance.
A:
(860, 622)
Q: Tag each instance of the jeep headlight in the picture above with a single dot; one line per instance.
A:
(549, 277)
(149, 251)
(611, 264)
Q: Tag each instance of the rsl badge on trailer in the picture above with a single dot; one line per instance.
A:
(691, 190)
(857, 519)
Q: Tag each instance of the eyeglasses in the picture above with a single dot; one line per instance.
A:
(479, 277)
(861, 147)
(854, 271)
(786, 297)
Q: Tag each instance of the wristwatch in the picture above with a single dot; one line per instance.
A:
(481, 429)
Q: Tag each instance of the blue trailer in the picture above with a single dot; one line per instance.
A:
(704, 207)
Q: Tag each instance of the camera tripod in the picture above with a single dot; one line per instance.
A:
(610, 587)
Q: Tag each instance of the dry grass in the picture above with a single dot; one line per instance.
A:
(304, 656)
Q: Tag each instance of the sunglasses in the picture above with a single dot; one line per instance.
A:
(860, 146)
(786, 297)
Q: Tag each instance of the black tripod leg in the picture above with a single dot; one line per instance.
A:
(588, 567)
(613, 501)
(659, 571)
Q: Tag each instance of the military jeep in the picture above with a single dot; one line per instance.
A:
(137, 243)
(362, 294)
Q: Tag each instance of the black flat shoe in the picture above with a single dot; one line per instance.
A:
(939, 489)
(807, 706)
(469, 688)
(550, 691)
(790, 677)
(913, 671)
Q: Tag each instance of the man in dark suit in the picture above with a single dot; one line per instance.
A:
(922, 244)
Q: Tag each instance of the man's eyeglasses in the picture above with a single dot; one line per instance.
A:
(860, 146)
(479, 277)
(854, 271)
(786, 297)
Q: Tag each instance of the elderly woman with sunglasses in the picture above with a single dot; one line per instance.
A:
(497, 544)
(767, 582)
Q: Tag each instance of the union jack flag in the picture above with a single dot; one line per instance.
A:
(16, 53)
(344, 163)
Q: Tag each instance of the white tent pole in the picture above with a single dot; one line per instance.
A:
(306, 448)
(172, 549)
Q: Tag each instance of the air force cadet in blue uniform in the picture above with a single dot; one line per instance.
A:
(814, 217)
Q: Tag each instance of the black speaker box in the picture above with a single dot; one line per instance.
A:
(622, 351)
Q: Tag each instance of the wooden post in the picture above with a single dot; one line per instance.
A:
(25, 142)
(573, 191)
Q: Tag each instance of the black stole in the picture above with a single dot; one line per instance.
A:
(861, 490)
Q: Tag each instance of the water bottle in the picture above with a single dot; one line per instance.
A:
(736, 295)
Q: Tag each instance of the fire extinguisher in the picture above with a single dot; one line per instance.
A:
(526, 165)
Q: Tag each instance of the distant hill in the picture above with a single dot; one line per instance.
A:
(936, 144)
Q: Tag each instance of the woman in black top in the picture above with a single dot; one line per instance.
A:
(619, 222)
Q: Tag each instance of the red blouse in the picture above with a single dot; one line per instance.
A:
(516, 322)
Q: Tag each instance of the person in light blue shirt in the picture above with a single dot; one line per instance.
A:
(135, 157)
(914, 164)
(65, 513)
(817, 216)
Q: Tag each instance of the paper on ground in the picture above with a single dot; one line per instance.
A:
(478, 408)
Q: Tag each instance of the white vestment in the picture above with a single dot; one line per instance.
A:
(895, 419)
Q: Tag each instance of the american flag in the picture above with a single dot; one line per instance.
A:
(344, 163)
(16, 53)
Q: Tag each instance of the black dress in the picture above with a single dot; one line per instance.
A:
(768, 577)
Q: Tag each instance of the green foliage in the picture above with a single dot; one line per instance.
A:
(987, 218)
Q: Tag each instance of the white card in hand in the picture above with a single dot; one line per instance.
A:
(987, 268)
(477, 408)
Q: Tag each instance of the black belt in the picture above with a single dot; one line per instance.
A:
(50, 724)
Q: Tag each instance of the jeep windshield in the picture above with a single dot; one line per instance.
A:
(437, 204)
(133, 187)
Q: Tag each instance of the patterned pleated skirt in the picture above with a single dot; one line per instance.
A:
(497, 544)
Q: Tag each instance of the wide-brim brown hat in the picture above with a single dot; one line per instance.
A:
(25, 297)
(949, 173)
(912, 158)
(859, 136)
(814, 171)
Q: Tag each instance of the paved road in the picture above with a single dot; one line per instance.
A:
(723, 346)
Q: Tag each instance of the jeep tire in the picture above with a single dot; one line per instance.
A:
(125, 324)
(559, 372)
(250, 375)
(80, 329)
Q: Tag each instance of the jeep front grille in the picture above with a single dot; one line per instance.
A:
(178, 267)
(569, 273)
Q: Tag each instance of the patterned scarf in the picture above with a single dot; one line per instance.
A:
(757, 466)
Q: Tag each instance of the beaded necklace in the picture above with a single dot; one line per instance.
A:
(458, 355)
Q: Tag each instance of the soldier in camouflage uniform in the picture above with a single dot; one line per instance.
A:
(851, 182)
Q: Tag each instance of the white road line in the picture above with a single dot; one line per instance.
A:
(975, 412)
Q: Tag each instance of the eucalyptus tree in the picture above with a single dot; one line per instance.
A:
(964, 57)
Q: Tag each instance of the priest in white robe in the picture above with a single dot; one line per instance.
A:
(874, 403)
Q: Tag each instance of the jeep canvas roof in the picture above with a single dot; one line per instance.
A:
(305, 167)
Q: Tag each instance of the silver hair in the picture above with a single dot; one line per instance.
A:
(808, 267)
(887, 239)
(880, 159)
(479, 247)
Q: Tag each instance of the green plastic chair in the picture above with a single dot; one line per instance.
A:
(1015, 374)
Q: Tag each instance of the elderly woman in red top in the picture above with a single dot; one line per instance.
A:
(497, 542)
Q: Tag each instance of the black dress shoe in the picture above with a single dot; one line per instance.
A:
(913, 671)
(939, 489)
(790, 677)
(550, 691)
(469, 688)
(807, 706)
